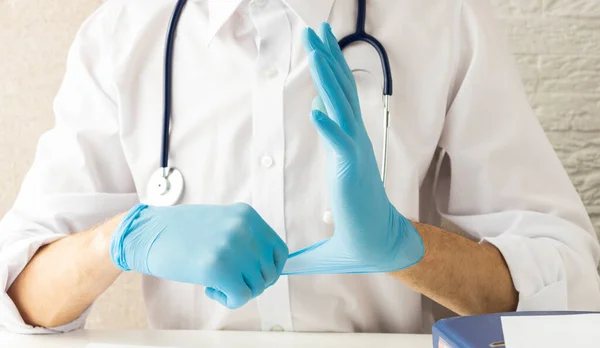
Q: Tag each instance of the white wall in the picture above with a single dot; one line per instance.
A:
(556, 42)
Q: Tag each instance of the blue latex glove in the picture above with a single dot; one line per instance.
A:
(370, 234)
(230, 250)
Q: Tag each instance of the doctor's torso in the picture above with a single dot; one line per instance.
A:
(240, 132)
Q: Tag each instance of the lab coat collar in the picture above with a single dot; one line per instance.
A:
(312, 13)
(218, 13)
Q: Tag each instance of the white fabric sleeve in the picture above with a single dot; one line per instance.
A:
(79, 176)
(505, 184)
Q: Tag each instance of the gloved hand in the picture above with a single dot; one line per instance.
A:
(370, 234)
(230, 250)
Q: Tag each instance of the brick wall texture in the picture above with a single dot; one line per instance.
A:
(557, 48)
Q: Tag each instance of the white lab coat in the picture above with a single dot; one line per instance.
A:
(241, 132)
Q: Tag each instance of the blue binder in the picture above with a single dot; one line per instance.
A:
(480, 331)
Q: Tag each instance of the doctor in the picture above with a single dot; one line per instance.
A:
(264, 178)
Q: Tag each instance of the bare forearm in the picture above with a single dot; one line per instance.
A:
(63, 278)
(466, 277)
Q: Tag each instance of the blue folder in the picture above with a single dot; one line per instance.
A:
(480, 331)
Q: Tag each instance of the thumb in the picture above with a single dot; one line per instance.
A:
(330, 131)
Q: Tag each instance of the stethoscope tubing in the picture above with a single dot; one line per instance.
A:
(168, 82)
(360, 35)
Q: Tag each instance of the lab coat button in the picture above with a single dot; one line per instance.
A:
(328, 217)
(271, 73)
(267, 161)
(277, 328)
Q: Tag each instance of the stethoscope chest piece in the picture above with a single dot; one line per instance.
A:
(165, 187)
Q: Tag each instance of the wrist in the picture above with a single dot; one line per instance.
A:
(408, 244)
(119, 234)
(101, 240)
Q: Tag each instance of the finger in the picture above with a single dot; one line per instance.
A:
(339, 141)
(216, 295)
(312, 42)
(254, 279)
(268, 270)
(236, 291)
(331, 42)
(331, 92)
(259, 228)
(248, 260)
(317, 104)
(280, 256)
(266, 240)
(269, 242)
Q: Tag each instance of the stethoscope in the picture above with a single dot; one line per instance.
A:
(166, 185)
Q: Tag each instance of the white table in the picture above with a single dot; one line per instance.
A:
(216, 339)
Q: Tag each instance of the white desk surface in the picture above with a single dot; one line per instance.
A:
(215, 339)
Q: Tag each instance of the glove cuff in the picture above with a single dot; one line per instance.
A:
(409, 246)
(117, 249)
